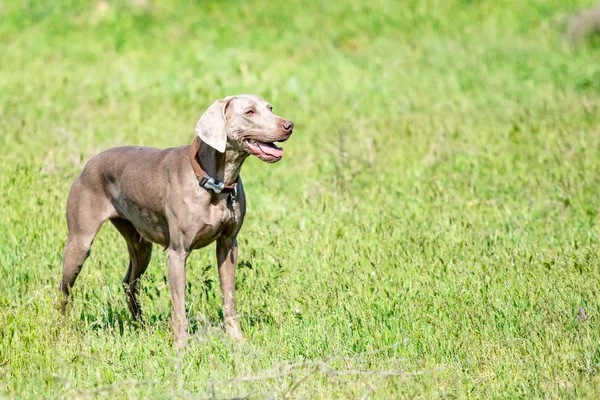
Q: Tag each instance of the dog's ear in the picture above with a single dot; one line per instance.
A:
(212, 126)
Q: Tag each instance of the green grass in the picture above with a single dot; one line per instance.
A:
(432, 230)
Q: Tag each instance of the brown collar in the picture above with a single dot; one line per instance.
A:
(205, 180)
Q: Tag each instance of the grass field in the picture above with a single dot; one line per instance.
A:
(432, 230)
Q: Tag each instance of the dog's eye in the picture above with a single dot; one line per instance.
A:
(271, 108)
(249, 112)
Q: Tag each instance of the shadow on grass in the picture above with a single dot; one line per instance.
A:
(109, 317)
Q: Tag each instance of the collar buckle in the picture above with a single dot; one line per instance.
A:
(233, 196)
(210, 183)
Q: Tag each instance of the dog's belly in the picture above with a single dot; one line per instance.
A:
(157, 233)
(201, 231)
(151, 225)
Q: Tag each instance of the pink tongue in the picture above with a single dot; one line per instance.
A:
(270, 149)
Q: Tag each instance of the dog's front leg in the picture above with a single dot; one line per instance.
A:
(227, 253)
(176, 265)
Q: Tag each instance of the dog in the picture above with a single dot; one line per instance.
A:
(181, 198)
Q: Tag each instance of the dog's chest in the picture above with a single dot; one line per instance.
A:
(220, 219)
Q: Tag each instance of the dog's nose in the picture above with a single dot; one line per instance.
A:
(287, 126)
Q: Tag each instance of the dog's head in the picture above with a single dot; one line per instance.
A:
(245, 123)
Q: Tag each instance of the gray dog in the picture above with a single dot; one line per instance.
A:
(182, 198)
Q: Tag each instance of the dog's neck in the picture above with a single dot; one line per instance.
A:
(224, 167)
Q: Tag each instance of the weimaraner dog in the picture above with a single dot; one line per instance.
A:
(182, 198)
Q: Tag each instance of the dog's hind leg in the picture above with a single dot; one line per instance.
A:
(86, 212)
(140, 252)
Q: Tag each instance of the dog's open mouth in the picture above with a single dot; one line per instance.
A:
(265, 151)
